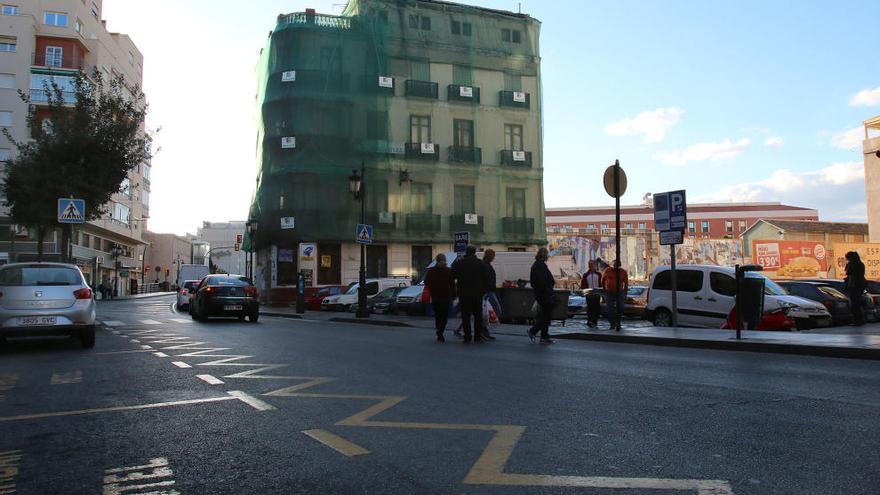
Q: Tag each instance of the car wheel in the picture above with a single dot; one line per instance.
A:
(254, 317)
(87, 337)
(662, 318)
(240, 317)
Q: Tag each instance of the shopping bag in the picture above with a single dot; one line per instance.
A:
(489, 316)
(426, 295)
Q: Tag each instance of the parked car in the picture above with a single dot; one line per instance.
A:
(46, 299)
(409, 300)
(706, 294)
(225, 295)
(185, 293)
(633, 306)
(191, 272)
(314, 295)
(577, 303)
(343, 302)
(384, 302)
(835, 301)
(777, 319)
(870, 300)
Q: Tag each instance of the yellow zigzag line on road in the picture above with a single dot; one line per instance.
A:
(489, 468)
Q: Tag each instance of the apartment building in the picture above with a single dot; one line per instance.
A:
(223, 242)
(165, 253)
(440, 102)
(52, 40)
(871, 149)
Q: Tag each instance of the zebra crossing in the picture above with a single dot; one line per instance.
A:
(149, 322)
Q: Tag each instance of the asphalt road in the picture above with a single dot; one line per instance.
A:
(164, 405)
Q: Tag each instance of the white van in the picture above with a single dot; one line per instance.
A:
(343, 302)
(706, 296)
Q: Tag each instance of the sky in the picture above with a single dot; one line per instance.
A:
(732, 101)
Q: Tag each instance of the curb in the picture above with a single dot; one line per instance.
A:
(366, 321)
(732, 345)
(282, 315)
(145, 296)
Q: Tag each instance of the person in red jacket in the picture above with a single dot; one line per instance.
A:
(440, 287)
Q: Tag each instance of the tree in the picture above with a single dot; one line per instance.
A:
(81, 149)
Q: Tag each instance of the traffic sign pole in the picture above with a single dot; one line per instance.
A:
(617, 242)
(674, 287)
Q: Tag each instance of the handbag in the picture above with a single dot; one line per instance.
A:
(426, 295)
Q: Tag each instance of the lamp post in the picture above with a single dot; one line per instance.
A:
(251, 226)
(356, 185)
(116, 251)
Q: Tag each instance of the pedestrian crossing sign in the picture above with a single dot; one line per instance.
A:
(364, 234)
(71, 210)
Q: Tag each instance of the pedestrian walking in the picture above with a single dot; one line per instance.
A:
(491, 289)
(471, 282)
(592, 282)
(438, 283)
(542, 284)
(855, 286)
(102, 290)
(615, 282)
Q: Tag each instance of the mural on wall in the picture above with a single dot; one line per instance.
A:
(719, 252)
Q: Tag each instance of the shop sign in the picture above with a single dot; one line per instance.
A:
(791, 259)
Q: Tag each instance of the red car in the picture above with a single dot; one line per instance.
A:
(775, 320)
(314, 295)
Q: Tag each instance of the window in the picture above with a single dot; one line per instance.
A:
(121, 213)
(466, 29)
(125, 188)
(54, 55)
(456, 27)
(66, 84)
(146, 172)
(643, 226)
(145, 197)
(604, 226)
(377, 124)
(6, 119)
(426, 23)
(516, 202)
(686, 280)
(95, 11)
(505, 35)
(692, 227)
(628, 226)
(10, 10)
(513, 137)
(464, 200)
(78, 25)
(86, 240)
(7, 45)
(705, 225)
(421, 197)
(420, 129)
(511, 35)
(512, 82)
(420, 71)
(462, 75)
(591, 226)
(515, 34)
(742, 225)
(55, 19)
(377, 266)
(461, 28)
(722, 284)
(5, 154)
(422, 22)
(728, 225)
(7, 81)
(413, 21)
(463, 133)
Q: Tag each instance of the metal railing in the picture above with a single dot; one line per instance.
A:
(69, 62)
(465, 154)
(39, 96)
(422, 89)
(510, 157)
(317, 20)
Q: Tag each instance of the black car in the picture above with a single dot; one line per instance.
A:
(225, 295)
(870, 299)
(384, 302)
(835, 301)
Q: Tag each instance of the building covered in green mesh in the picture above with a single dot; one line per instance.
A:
(441, 103)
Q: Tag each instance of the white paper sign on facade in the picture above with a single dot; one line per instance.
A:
(465, 91)
(519, 97)
(288, 76)
(397, 148)
(288, 142)
(427, 148)
(287, 223)
(519, 156)
(471, 219)
(386, 217)
(386, 82)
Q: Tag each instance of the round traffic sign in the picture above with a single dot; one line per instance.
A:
(608, 179)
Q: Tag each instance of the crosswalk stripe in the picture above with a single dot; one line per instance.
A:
(181, 320)
(114, 323)
(151, 322)
(210, 379)
(181, 364)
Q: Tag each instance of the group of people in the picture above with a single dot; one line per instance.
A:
(614, 283)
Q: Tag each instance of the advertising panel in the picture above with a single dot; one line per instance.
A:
(791, 259)
(868, 252)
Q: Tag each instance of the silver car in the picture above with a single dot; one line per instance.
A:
(185, 293)
(46, 299)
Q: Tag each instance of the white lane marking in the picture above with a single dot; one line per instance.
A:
(181, 364)
(146, 347)
(114, 323)
(135, 341)
(9, 462)
(210, 379)
(181, 320)
(113, 409)
(151, 322)
(251, 401)
(115, 332)
(123, 482)
(7, 382)
(66, 378)
(160, 354)
(120, 352)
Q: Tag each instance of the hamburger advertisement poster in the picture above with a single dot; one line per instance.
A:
(791, 259)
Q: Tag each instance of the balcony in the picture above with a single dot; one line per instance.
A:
(465, 154)
(39, 97)
(67, 62)
(467, 94)
(422, 222)
(419, 151)
(514, 99)
(307, 19)
(515, 158)
(422, 89)
(457, 224)
(383, 221)
(514, 226)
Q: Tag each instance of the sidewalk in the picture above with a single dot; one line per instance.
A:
(138, 296)
(845, 342)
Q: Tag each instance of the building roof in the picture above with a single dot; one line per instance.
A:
(692, 207)
(811, 227)
(469, 7)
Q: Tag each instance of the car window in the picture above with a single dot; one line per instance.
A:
(229, 281)
(722, 284)
(372, 288)
(635, 291)
(39, 275)
(353, 289)
(770, 287)
(686, 280)
(387, 293)
(190, 284)
(831, 291)
(662, 281)
(873, 287)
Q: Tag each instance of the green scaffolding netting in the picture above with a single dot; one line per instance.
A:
(338, 91)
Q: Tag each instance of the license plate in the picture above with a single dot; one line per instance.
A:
(37, 321)
(232, 307)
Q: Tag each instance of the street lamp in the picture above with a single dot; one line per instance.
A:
(116, 252)
(356, 186)
(251, 226)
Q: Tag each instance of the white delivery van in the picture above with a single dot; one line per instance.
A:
(706, 294)
(343, 302)
(191, 272)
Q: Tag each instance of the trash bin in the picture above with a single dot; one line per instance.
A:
(751, 301)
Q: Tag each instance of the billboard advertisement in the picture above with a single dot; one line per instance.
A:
(791, 259)
(868, 252)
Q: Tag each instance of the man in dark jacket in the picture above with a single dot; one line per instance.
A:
(470, 274)
(855, 285)
(542, 283)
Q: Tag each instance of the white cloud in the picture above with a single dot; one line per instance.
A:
(866, 98)
(774, 142)
(704, 152)
(849, 140)
(654, 125)
(837, 191)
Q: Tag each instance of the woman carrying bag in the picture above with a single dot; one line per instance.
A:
(440, 290)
